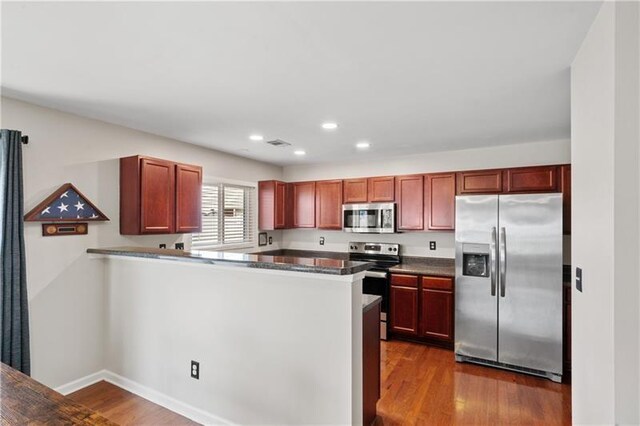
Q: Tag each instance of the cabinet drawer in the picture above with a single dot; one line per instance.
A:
(437, 283)
(404, 280)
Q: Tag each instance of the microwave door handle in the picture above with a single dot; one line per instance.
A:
(493, 255)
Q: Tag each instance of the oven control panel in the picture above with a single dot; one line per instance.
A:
(375, 248)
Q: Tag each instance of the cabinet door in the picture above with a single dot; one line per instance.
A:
(437, 314)
(404, 310)
(440, 195)
(304, 205)
(382, 189)
(280, 213)
(157, 196)
(188, 198)
(531, 179)
(410, 193)
(480, 182)
(273, 205)
(329, 204)
(565, 187)
(355, 190)
(266, 205)
(567, 329)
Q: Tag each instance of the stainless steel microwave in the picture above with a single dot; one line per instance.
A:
(376, 218)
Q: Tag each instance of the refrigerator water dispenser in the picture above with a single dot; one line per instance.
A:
(475, 260)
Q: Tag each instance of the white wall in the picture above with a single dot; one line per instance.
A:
(417, 243)
(65, 290)
(605, 356)
(263, 359)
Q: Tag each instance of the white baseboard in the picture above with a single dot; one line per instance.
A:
(145, 392)
(81, 383)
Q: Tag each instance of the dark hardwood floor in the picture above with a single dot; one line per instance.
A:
(125, 408)
(423, 385)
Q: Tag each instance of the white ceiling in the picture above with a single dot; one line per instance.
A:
(408, 77)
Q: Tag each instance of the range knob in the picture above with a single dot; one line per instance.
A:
(395, 249)
(390, 249)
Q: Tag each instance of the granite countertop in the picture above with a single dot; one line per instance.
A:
(369, 301)
(307, 253)
(431, 266)
(317, 265)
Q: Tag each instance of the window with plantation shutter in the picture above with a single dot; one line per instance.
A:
(227, 216)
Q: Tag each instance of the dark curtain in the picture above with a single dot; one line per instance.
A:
(14, 312)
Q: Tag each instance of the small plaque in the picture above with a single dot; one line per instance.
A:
(58, 229)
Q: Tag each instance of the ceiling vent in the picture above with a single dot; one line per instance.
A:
(278, 142)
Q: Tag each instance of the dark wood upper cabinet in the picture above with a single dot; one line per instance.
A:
(381, 189)
(531, 179)
(329, 204)
(273, 205)
(436, 314)
(188, 198)
(404, 310)
(410, 199)
(355, 190)
(440, 197)
(159, 196)
(304, 204)
(480, 182)
(565, 187)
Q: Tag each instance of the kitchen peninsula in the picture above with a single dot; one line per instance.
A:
(278, 339)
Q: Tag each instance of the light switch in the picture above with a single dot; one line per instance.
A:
(579, 279)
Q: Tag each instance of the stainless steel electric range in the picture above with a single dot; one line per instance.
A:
(376, 279)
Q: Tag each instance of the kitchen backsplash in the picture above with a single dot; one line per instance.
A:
(413, 243)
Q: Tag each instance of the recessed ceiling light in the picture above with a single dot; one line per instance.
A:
(329, 125)
(363, 145)
(256, 138)
(299, 152)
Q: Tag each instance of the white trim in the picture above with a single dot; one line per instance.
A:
(81, 383)
(147, 393)
(213, 180)
(231, 246)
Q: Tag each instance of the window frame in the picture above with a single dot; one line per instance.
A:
(251, 210)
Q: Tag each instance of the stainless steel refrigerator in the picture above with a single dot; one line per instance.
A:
(508, 301)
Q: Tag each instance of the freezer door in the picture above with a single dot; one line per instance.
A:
(530, 302)
(476, 325)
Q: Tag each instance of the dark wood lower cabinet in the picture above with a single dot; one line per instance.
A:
(404, 310)
(567, 333)
(422, 309)
(370, 363)
(436, 316)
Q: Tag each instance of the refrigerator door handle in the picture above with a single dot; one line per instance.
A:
(503, 261)
(493, 255)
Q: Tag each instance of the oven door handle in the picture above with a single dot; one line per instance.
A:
(375, 274)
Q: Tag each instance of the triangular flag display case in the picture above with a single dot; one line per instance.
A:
(66, 204)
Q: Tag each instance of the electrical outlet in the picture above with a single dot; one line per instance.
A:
(163, 246)
(432, 245)
(195, 370)
(179, 246)
(270, 240)
(321, 241)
